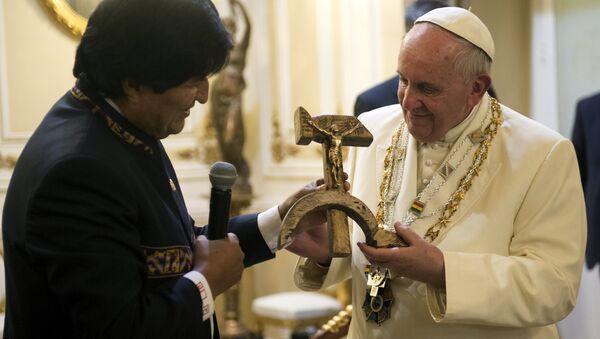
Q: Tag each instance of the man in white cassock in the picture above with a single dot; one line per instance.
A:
(489, 202)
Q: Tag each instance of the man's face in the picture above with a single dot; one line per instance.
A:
(163, 114)
(433, 95)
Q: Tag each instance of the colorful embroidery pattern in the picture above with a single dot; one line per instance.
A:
(168, 261)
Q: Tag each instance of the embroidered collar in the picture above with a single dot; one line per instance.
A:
(116, 122)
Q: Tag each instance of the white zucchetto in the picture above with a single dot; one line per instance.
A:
(464, 24)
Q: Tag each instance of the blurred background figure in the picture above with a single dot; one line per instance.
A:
(586, 138)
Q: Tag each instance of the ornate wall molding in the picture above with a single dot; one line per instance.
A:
(65, 14)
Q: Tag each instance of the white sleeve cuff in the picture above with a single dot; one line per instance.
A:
(269, 224)
(436, 301)
(208, 303)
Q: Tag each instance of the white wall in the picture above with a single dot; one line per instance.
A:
(578, 68)
(510, 24)
(578, 50)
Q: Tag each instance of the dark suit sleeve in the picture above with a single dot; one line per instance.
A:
(83, 234)
(578, 138)
(383, 94)
(251, 241)
(360, 106)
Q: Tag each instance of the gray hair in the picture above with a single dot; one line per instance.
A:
(471, 61)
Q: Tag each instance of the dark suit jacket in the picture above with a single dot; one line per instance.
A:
(586, 139)
(383, 94)
(96, 239)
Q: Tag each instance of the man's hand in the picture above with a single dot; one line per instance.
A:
(312, 218)
(312, 241)
(311, 187)
(313, 244)
(419, 261)
(220, 261)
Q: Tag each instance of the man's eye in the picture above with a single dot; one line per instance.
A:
(428, 90)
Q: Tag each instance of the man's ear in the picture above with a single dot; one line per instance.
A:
(132, 90)
(478, 88)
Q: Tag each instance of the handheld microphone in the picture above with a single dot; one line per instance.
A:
(222, 176)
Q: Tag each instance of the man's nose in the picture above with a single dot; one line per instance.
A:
(202, 91)
(409, 98)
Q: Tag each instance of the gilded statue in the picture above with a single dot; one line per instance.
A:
(226, 98)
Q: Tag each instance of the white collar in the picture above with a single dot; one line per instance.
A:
(113, 105)
(457, 130)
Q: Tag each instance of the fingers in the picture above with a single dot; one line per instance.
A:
(220, 261)
(233, 238)
(321, 181)
(378, 255)
(407, 234)
(383, 255)
(319, 184)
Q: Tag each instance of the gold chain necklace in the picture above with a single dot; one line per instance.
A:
(393, 153)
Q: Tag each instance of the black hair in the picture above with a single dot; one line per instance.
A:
(420, 7)
(156, 43)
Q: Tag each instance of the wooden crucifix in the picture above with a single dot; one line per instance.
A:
(333, 132)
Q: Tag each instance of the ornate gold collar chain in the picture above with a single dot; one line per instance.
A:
(392, 174)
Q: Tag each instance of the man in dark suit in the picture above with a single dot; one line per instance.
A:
(97, 238)
(586, 138)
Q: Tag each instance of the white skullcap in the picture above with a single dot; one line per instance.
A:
(464, 24)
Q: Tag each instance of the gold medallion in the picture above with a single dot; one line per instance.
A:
(378, 297)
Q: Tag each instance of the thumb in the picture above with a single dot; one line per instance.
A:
(233, 238)
(201, 239)
(407, 234)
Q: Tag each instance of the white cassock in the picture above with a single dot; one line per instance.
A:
(513, 251)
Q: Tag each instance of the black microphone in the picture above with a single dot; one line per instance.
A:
(222, 176)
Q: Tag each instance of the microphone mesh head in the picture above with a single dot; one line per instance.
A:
(222, 175)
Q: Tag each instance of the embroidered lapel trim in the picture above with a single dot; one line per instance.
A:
(115, 127)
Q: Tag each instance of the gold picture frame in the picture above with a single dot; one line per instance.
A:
(66, 15)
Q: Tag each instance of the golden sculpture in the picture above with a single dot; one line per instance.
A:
(66, 15)
(339, 322)
(226, 99)
(333, 132)
(336, 133)
(226, 118)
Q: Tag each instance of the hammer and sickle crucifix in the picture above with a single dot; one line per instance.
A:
(333, 132)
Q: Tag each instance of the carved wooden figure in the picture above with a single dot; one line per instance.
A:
(333, 132)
